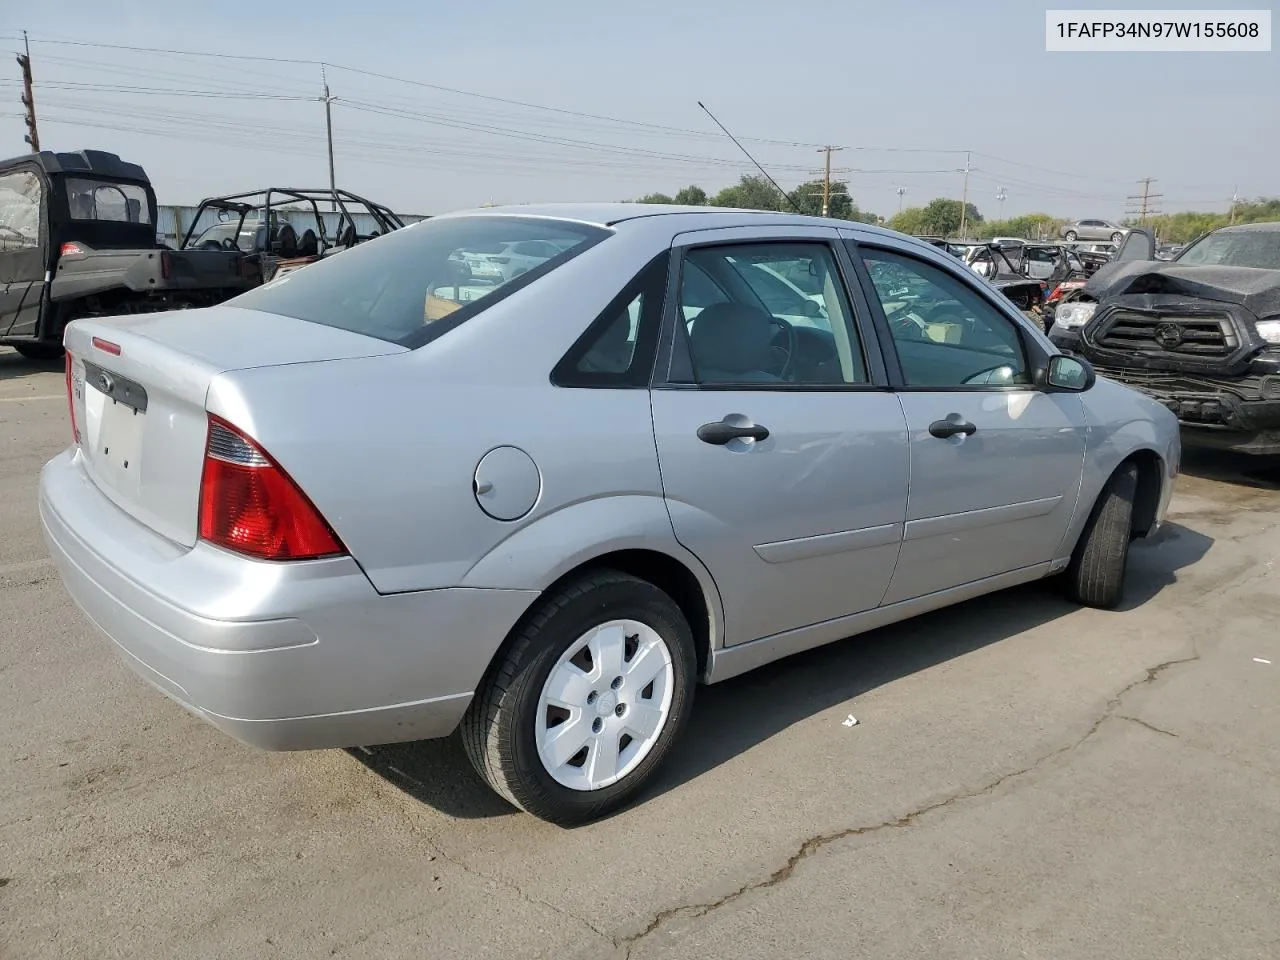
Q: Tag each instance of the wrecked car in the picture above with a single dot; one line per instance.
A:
(1200, 333)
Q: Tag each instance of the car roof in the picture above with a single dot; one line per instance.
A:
(612, 214)
(1269, 226)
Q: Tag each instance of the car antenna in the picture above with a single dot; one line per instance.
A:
(794, 206)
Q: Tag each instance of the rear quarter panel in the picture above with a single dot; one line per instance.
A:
(387, 447)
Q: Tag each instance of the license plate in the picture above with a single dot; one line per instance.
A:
(113, 435)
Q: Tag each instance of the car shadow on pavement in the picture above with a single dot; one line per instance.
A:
(1244, 470)
(731, 717)
(16, 367)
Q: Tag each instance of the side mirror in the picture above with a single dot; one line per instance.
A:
(811, 309)
(1066, 374)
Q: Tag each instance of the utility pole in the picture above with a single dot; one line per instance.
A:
(1235, 198)
(826, 178)
(1001, 194)
(901, 193)
(1145, 201)
(28, 96)
(964, 196)
(328, 130)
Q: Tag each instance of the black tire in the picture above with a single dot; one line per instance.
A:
(1117, 237)
(498, 730)
(1070, 236)
(39, 351)
(1095, 576)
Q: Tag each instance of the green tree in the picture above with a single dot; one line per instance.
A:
(1029, 226)
(655, 198)
(751, 193)
(942, 216)
(691, 196)
(910, 220)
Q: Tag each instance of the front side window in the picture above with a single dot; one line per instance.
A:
(412, 284)
(748, 322)
(946, 334)
(19, 211)
(111, 202)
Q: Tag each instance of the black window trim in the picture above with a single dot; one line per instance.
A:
(675, 360)
(1035, 354)
(651, 281)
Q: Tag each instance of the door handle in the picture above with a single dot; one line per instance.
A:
(954, 424)
(720, 432)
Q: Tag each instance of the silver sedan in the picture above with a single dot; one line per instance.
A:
(381, 499)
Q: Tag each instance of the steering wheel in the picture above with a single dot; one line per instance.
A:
(789, 351)
(229, 244)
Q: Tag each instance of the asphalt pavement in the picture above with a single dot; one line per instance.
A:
(1025, 779)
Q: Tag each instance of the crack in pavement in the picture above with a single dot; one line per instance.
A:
(1150, 726)
(811, 846)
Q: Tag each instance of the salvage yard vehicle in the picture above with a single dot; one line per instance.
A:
(78, 239)
(383, 501)
(264, 225)
(1200, 333)
(991, 261)
(1093, 230)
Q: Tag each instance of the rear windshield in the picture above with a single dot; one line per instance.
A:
(413, 284)
(1242, 248)
(113, 202)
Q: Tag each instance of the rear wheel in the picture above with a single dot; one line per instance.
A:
(1095, 576)
(586, 704)
(39, 351)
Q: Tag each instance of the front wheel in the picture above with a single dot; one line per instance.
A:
(1117, 237)
(585, 705)
(39, 351)
(1095, 576)
(1070, 236)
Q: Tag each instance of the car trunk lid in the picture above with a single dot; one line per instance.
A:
(138, 396)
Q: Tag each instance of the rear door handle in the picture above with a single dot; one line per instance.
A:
(954, 424)
(720, 432)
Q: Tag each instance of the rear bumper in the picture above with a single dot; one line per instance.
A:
(280, 656)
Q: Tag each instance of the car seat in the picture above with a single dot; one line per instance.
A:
(731, 343)
(309, 244)
(287, 241)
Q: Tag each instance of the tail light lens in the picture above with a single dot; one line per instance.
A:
(166, 265)
(70, 249)
(250, 505)
(71, 397)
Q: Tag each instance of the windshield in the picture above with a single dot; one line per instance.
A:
(112, 202)
(1235, 248)
(398, 286)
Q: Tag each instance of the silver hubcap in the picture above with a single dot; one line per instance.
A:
(604, 705)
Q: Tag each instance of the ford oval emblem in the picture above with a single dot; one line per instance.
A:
(106, 383)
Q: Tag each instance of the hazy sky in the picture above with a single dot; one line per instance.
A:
(906, 87)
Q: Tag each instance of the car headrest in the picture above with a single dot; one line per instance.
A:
(731, 338)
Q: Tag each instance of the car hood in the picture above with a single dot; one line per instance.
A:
(1255, 289)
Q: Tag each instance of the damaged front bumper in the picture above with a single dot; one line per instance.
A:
(1240, 413)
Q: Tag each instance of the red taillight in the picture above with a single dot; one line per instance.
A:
(250, 505)
(71, 399)
(70, 250)
(166, 265)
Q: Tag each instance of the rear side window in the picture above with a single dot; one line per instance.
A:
(411, 285)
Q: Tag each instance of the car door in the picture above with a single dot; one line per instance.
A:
(996, 463)
(783, 453)
(22, 252)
